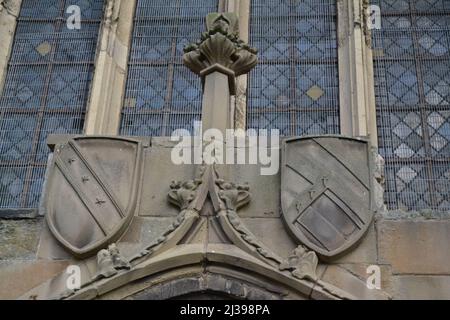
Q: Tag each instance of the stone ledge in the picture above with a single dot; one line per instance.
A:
(422, 215)
(18, 214)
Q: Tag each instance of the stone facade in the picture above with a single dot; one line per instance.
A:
(410, 249)
(216, 230)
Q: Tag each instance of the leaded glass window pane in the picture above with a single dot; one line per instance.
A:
(295, 87)
(161, 94)
(45, 92)
(412, 85)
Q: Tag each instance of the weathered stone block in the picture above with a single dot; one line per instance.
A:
(144, 230)
(347, 281)
(19, 239)
(159, 172)
(133, 233)
(415, 247)
(153, 228)
(19, 277)
(360, 270)
(265, 191)
(421, 287)
(272, 233)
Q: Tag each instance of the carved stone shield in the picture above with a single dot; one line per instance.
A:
(327, 189)
(92, 191)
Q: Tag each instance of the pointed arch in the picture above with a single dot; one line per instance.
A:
(217, 269)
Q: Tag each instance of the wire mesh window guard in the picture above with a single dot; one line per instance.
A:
(412, 75)
(162, 95)
(295, 87)
(45, 92)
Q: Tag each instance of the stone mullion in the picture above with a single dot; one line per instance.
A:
(211, 59)
(356, 82)
(369, 78)
(111, 65)
(239, 101)
(9, 13)
(222, 6)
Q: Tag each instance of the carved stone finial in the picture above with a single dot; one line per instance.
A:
(234, 196)
(220, 49)
(183, 193)
(302, 263)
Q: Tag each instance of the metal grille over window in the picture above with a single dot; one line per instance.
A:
(295, 87)
(412, 74)
(162, 95)
(45, 92)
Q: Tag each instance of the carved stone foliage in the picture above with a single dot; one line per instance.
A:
(302, 263)
(111, 12)
(11, 6)
(183, 193)
(175, 231)
(110, 261)
(119, 262)
(366, 18)
(249, 238)
(221, 46)
(105, 265)
(234, 196)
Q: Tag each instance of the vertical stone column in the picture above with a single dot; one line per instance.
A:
(218, 58)
(108, 86)
(370, 77)
(217, 112)
(357, 96)
(9, 12)
(239, 101)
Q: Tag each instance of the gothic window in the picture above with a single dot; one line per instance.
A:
(45, 92)
(412, 83)
(295, 87)
(162, 94)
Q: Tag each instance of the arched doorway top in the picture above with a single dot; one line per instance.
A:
(219, 269)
